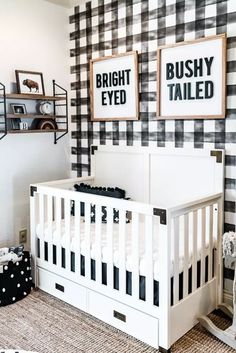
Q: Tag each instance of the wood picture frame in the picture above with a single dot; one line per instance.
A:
(29, 82)
(216, 72)
(111, 105)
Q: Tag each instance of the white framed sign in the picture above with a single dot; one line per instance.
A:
(191, 79)
(114, 87)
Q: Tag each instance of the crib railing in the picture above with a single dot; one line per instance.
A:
(52, 208)
(200, 225)
(54, 220)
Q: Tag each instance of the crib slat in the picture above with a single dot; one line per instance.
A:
(135, 255)
(77, 236)
(186, 253)
(58, 230)
(110, 240)
(98, 242)
(149, 258)
(50, 235)
(176, 260)
(122, 252)
(67, 233)
(203, 246)
(87, 241)
(42, 223)
(194, 255)
(210, 242)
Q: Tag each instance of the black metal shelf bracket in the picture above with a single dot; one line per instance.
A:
(3, 119)
(61, 92)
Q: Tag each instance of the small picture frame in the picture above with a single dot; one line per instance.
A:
(30, 82)
(18, 109)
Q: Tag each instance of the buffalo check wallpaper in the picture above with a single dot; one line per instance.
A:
(103, 27)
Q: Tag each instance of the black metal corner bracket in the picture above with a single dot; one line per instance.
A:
(33, 189)
(161, 213)
(218, 155)
(93, 149)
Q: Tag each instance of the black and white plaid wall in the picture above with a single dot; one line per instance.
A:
(104, 27)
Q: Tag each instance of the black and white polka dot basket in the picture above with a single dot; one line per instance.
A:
(15, 280)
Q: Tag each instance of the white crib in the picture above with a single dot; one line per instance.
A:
(152, 276)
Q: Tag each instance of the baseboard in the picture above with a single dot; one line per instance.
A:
(228, 297)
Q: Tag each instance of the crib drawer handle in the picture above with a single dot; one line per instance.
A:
(119, 316)
(59, 287)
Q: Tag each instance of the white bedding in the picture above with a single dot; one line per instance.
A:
(128, 237)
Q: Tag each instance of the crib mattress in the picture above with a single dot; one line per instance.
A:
(128, 251)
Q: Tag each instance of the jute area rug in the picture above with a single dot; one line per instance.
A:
(43, 324)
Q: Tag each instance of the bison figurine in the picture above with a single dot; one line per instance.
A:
(31, 84)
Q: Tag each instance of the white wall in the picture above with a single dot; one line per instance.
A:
(65, 3)
(33, 36)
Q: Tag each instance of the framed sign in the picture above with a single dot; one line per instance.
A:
(191, 79)
(114, 87)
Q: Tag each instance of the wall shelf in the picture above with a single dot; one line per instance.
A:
(34, 97)
(59, 99)
(34, 116)
(35, 131)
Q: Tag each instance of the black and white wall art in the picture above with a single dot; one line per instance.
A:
(191, 79)
(108, 27)
(114, 87)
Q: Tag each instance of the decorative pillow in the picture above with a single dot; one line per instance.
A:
(110, 192)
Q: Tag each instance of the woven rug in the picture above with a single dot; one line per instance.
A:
(44, 324)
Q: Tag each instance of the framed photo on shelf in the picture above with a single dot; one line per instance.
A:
(18, 108)
(114, 92)
(30, 82)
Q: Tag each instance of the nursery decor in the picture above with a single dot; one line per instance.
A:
(56, 106)
(24, 125)
(18, 108)
(45, 108)
(228, 336)
(44, 124)
(15, 124)
(191, 79)
(15, 275)
(114, 87)
(156, 268)
(102, 191)
(30, 82)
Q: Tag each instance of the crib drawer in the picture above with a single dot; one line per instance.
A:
(129, 320)
(62, 288)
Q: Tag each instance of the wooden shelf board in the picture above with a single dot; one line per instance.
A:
(33, 97)
(33, 116)
(34, 131)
